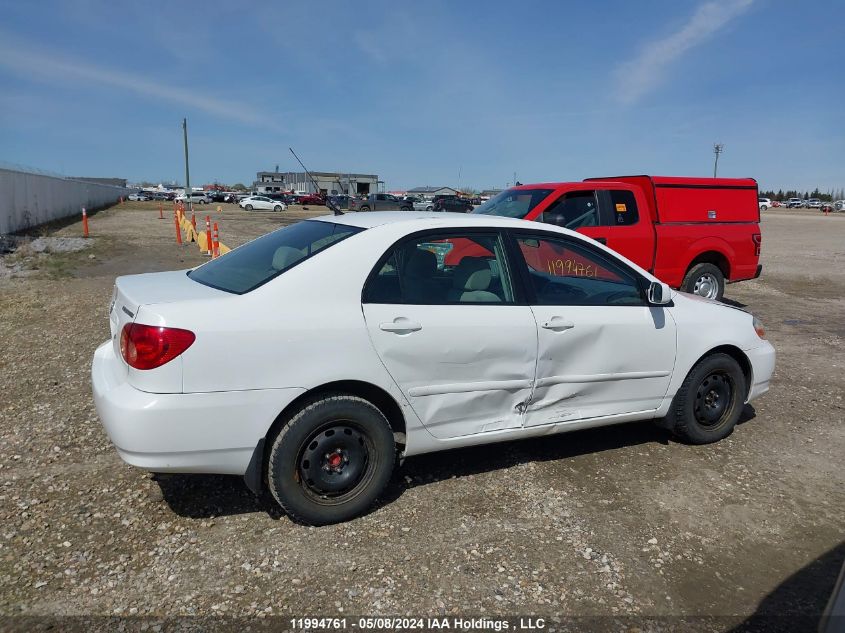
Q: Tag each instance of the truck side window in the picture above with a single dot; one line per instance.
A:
(623, 207)
(573, 210)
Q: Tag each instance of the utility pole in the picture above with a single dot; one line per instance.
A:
(718, 148)
(187, 171)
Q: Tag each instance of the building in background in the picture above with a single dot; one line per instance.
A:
(429, 192)
(328, 182)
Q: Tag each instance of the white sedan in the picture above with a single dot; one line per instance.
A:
(261, 202)
(313, 358)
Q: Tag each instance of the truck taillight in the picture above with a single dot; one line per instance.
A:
(148, 346)
(758, 242)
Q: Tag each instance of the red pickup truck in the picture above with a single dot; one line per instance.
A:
(695, 234)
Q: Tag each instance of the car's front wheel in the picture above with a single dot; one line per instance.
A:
(248, 207)
(331, 460)
(710, 400)
(277, 208)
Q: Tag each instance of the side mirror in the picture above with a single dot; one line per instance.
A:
(659, 294)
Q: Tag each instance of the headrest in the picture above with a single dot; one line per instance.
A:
(421, 263)
(472, 273)
(286, 256)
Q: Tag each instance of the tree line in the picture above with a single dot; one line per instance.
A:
(781, 195)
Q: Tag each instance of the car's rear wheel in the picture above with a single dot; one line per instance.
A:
(710, 400)
(331, 460)
(705, 280)
(248, 207)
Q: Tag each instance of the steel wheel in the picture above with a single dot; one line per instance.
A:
(707, 286)
(335, 462)
(713, 399)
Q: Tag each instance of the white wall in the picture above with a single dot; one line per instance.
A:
(28, 199)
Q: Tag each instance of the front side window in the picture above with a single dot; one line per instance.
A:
(262, 259)
(574, 210)
(564, 272)
(513, 203)
(443, 269)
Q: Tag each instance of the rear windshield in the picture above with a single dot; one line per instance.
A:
(260, 260)
(513, 203)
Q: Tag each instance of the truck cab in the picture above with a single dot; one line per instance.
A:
(695, 234)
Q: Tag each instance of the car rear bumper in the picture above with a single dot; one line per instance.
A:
(762, 366)
(212, 432)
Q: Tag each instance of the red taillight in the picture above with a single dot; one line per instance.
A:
(758, 243)
(148, 346)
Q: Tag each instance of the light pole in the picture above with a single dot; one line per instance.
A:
(187, 172)
(718, 148)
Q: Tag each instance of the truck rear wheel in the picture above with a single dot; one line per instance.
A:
(705, 280)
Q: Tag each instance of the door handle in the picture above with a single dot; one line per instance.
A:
(558, 324)
(601, 240)
(400, 325)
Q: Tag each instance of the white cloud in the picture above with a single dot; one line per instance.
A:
(53, 68)
(640, 75)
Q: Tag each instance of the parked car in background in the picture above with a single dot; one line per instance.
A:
(794, 203)
(138, 196)
(261, 202)
(424, 205)
(839, 205)
(452, 203)
(814, 203)
(388, 343)
(764, 203)
(215, 196)
(826, 207)
(379, 202)
(695, 234)
(163, 195)
(341, 201)
(196, 197)
(310, 198)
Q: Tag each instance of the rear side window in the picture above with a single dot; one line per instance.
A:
(443, 270)
(267, 257)
(623, 207)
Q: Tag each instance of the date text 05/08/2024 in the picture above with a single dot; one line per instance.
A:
(455, 623)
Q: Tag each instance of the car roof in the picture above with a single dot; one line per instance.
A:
(419, 220)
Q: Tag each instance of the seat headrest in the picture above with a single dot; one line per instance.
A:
(285, 256)
(472, 273)
(421, 263)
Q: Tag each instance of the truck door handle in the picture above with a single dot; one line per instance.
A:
(601, 240)
(400, 325)
(558, 324)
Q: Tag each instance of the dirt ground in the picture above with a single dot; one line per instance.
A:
(620, 521)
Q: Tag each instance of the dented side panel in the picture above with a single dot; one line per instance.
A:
(465, 369)
(612, 360)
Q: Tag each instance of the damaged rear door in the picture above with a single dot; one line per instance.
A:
(441, 314)
(602, 350)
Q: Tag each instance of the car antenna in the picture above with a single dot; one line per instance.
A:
(331, 205)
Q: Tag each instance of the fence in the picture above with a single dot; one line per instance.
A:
(28, 198)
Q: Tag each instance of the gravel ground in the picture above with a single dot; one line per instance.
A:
(618, 521)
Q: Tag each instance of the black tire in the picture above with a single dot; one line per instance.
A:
(248, 207)
(406, 209)
(364, 209)
(706, 280)
(277, 208)
(709, 402)
(335, 427)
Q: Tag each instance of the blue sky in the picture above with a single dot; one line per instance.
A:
(427, 93)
